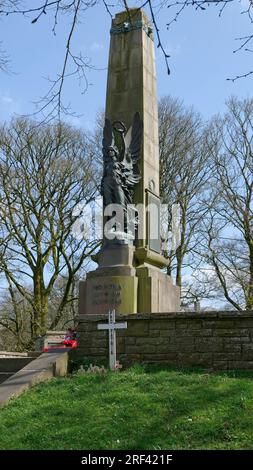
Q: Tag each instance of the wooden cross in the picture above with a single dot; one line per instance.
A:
(112, 326)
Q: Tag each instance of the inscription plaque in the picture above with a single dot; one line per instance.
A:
(110, 294)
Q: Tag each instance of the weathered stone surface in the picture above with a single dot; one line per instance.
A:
(236, 339)
(247, 352)
(225, 356)
(231, 332)
(233, 314)
(145, 348)
(181, 340)
(168, 333)
(195, 324)
(130, 90)
(154, 333)
(129, 340)
(224, 323)
(220, 365)
(195, 359)
(105, 292)
(156, 292)
(167, 348)
(166, 357)
(162, 325)
(187, 344)
(232, 347)
(245, 365)
(198, 333)
(154, 341)
(243, 323)
(139, 328)
(209, 344)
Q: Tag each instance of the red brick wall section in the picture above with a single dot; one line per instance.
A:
(216, 340)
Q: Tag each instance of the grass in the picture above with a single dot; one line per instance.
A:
(140, 408)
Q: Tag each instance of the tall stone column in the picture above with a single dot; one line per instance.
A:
(129, 278)
(131, 87)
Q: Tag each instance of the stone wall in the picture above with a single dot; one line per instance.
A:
(218, 340)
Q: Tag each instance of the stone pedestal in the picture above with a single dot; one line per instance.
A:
(156, 292)
(113, 285)
(130, 281)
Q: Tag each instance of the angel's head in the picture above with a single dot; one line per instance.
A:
(112, 153)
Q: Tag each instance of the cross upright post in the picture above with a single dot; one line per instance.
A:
(112, 326)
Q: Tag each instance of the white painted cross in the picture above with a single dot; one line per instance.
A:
(112, 326)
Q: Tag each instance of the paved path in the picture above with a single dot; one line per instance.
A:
(45, 367)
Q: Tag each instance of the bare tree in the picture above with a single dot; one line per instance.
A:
(15, 328)
(228, 229)
(184, 171)
(45, 174)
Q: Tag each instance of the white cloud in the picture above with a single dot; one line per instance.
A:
(9, 105)
(96, 46)
(6, 99)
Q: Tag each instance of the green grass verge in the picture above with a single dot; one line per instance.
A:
(140, 408)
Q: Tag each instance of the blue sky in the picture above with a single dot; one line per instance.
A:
(201, 46)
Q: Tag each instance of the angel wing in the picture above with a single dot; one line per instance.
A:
(133, 141)
(108, 137)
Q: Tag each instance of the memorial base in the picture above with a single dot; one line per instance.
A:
(128, 284)
(156, 293)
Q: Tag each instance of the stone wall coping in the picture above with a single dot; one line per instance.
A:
(55, 333)
(13, 354)
(171, 316)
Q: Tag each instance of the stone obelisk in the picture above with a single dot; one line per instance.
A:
(129, 276)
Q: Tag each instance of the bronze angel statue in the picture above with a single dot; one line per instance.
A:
(121, 152)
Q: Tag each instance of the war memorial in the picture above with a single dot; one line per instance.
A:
(130, 280)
